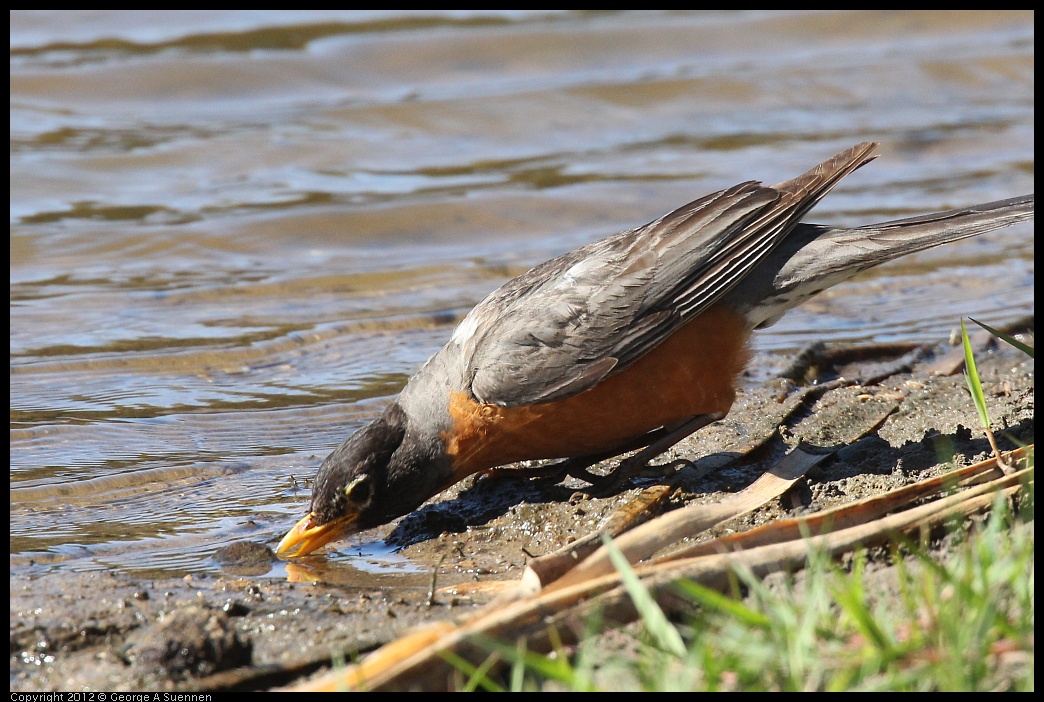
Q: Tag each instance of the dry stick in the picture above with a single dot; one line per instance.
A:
(642, 542)
(713, 571)
(551, 566)
(843, 516)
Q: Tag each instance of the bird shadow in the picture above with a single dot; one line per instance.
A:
(486, 499)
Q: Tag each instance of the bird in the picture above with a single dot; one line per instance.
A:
(630, 342)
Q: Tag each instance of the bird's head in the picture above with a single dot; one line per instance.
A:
(381, 472)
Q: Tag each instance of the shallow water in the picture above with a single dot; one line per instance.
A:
(234, 235)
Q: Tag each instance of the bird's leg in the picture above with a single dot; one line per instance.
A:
(633, 466)
(652, 444)
(556, 469)
(575, 466)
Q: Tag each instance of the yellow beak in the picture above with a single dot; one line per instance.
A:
(305, 537)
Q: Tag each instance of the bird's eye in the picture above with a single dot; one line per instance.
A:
(358, 491)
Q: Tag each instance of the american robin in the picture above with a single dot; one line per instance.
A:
(633, 341)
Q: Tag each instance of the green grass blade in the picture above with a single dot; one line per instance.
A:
(476, 674)
(664, 633)
(972, 376)
(1024, 348)
(712, 599)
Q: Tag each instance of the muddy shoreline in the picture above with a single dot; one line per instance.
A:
(108, 632)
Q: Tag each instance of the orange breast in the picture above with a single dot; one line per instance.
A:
(692, 372)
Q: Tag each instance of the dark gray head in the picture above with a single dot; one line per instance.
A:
(381, 472)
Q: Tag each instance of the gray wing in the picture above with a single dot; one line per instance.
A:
(565, 325)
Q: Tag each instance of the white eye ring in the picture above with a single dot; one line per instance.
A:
(352, 486)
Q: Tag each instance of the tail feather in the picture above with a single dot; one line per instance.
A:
(816, 257)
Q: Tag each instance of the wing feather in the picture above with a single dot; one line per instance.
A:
(564, 326)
